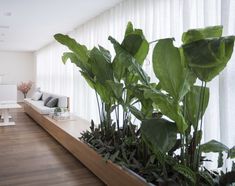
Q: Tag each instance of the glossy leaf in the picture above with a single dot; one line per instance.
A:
(137, 113)
(169, 69)
(88, 79)
(127, 62)
(214, 146)
(160, 133)
(119, 69)
(129, 28)
(101, 68)
(212, 57)
(135, 43)
(72, 57)
(80, 50)
(168, 107)
(146, 104)
(116, 88)
(105, 53)
(104, 92)
(201, 33)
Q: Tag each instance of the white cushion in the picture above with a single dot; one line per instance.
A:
(39, 106)
(43, 109)
(62, 102)
(36, 96)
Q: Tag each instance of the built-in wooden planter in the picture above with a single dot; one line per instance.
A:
(67, 133)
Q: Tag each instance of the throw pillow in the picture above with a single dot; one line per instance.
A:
(47, 100)
(36, 96)
(45, 95)
(52, 103)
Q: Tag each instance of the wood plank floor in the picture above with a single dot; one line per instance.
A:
(29, 156)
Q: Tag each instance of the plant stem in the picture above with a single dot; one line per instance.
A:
(117, 116)
(97, 99)
(182, 148)
(183, 136)
(199, 107)
(203, 97)
(103, 116)
(194, 145)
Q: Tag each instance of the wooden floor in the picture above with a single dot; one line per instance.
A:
(31, 157)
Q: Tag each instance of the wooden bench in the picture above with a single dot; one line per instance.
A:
(67, 133)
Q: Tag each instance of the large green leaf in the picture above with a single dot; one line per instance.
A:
(86, 68)
(88, 79)
(135, 43)
(168, 107)
(212, 53)
(192, 103)
(101, 68)
(212, 57)
(124, 61)
(72, 57)
(119, 69)
(129, 28)
(116, 88)
(135, 67)
(169, 69)
(201, 33)
(119, 64)
(79, 55)
(147, 108)
(214, 146)
(104, 92)
(137, 113)
(80, 50)
(159, 133)
(105, 53)
(137, 92)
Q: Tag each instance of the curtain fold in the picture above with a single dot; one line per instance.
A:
(158, 19)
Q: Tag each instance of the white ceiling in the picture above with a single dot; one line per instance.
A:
(28, 25)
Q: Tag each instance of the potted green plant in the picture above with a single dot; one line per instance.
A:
(170, 111)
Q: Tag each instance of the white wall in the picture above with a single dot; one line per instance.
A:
(18, 67)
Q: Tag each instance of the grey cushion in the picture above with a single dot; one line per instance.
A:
(52, 103)
(47, 100)
(45, 95)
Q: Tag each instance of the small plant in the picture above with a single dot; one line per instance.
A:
(24, 87)
(57, 110)
(170, 111)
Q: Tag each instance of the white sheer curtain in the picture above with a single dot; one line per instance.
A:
(52, 75)
(158, 19)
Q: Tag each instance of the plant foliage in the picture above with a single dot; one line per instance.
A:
(166, 147)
